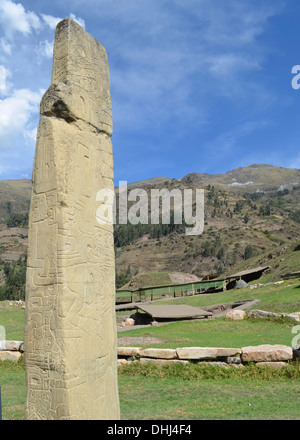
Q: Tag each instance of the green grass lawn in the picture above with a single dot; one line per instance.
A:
(148, 395)
(12, 382)
(276, 298)
(284, 298)
(13, 319)
(220, 332)
(221, 399)
(217, 333)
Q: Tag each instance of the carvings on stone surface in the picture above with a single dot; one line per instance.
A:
(70, 334)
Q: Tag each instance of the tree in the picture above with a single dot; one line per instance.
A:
(265, 210)
(15, 279)
(249, 251)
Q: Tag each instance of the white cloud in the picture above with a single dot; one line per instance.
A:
(14, 18)
(16, 111)
(50, 20)
(227, 141)
(30, 136)
(175, 59)
(3, 79)
(79, 20)
(227, 64)
(6, 47)
(45, 48)
(235, 23)
(53, 21)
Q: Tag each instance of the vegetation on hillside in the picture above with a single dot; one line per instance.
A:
(243, 222)
(15, 278)
(17, 220)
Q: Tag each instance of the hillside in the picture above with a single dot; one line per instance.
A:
(242, 220)
(282, 260)
(254, 178)
(249, 212)
(14, 197)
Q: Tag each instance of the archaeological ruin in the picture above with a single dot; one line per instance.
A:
(70, 332)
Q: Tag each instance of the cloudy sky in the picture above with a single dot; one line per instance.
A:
(197, 85)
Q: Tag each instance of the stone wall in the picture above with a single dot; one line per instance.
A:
(276, 356)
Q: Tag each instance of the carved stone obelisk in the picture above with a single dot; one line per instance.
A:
(70, 331)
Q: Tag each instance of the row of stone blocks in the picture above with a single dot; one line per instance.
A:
(11, 350)
(276, 356)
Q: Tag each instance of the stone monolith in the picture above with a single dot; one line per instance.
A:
(70, 331)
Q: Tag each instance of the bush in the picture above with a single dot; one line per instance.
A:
(295, 216)
(15, 274)
(17, 220)
(248, 252)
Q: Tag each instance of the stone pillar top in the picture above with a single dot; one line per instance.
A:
(80, 88)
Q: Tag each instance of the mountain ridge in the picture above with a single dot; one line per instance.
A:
(241, 219)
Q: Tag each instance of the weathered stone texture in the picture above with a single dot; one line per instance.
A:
(70, 334)
(11, 345)
(159, 353)
(236, 315)
(129, 351)
(13, 356)
(197, 353)
(264, 314)
(267, 353)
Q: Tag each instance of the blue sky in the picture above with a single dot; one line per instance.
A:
(196, 85)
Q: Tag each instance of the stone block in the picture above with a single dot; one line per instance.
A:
(123, 362)
(266, 353)
(159, 353)
(128, 351)
(13, 356)
(236, 315)
(233, 360)
(198, 353)
(216, 364)
(11, 345)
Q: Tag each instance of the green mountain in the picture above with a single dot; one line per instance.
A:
(249, 212)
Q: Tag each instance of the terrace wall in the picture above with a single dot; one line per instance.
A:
(275, 356)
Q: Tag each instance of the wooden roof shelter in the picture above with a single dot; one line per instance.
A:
(249, 274)
(151, 293)
(170, 312)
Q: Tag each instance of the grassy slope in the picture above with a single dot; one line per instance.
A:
(221, 332)
(149, 279)
(275, 298)
(217, 333)
(15, 192)
(282, 260)
(13, 319)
